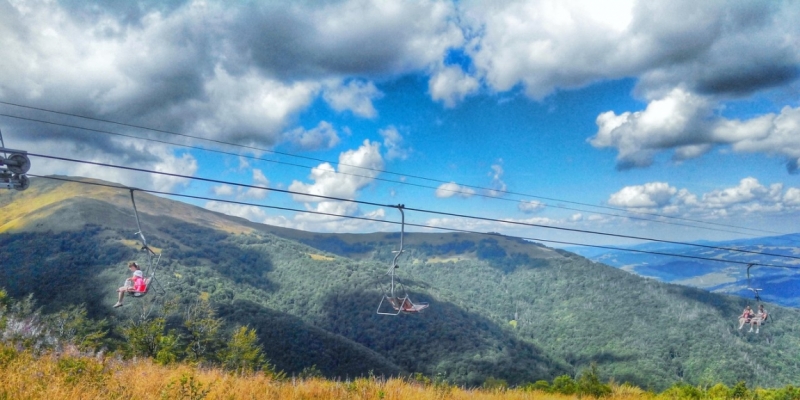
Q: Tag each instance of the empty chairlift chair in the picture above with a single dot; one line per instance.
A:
(399, 303)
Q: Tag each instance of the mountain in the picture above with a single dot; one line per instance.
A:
(312, 297)
(778, 285)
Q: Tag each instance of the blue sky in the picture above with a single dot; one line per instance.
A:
(555, 113)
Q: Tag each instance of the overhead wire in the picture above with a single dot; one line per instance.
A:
(459, 230)
(384, 179)
(627, 211)
(364, 176)
(574, 230)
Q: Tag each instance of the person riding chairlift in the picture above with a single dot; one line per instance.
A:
(746, 317)
(760, 317)
(134, 284)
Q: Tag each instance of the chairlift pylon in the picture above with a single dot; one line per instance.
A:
(14, 164)
(400, 304)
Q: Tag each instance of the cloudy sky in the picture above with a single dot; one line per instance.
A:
(676, 120)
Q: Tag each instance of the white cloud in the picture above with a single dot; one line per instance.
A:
(708, 47)
(248, 108)
(355, 96)
(770, 134)
(530, 206)
(748, 191)
(260, 180)
(748, 198)
(678, 120)
(497, 186)
(357, 169)
(323, 136)
(451, 85)
(685, 122)
(649, 195)
(113, 151)
(223, 190)
(792, 197)
(450, 189)
(251, 213)
(232, 72)
(393, 142)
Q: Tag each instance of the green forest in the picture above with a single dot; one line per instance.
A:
(501, 309)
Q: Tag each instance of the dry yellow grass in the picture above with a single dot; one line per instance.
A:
(320, 257)
(460, 257)
(80, 377)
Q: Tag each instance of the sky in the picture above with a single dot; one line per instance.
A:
(564, 121)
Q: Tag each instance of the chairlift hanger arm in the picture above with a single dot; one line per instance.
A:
(402, 233)
(138, 223)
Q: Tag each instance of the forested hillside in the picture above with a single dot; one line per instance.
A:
(312, 298)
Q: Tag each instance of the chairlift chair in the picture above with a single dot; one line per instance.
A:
(149, 274)
(756, 295)
(400, 304)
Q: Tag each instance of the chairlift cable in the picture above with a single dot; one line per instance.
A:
(373, 169)
(415, 209)
(424, 226)
(407, 183)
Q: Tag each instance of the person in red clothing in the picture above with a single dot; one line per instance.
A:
(746, 316)
(133, 284)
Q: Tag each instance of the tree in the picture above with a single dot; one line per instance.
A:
(564, 384)
(739, 391)
(243, 354)
(147, 338)
(203, 339)
(589, 383)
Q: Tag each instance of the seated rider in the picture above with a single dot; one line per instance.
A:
(133, 284)
(746, 316)
(761, 315)
(759, 318)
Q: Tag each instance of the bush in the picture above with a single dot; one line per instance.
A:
(564, 384)
(589, 384)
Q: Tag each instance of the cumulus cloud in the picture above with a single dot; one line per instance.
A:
(241, 193)
(108, 150)
(357, 169)
(678, 120)
(234, 72)
(649, 195)
(252, 213)
(747, 198)
(355, 96)
(354, 37)
(530, 206)
(393, 142)
(223, 190)
(323, 136)
(451, 189)
(686, 124)
(710, 47)
(260, 180)
(451, 85)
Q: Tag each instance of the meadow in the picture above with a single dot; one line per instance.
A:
(72, 375)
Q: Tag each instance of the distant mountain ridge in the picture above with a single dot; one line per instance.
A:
(312, 297)
(779, 285)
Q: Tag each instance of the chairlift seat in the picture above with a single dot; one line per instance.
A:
(141, 290)
(404, 304)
